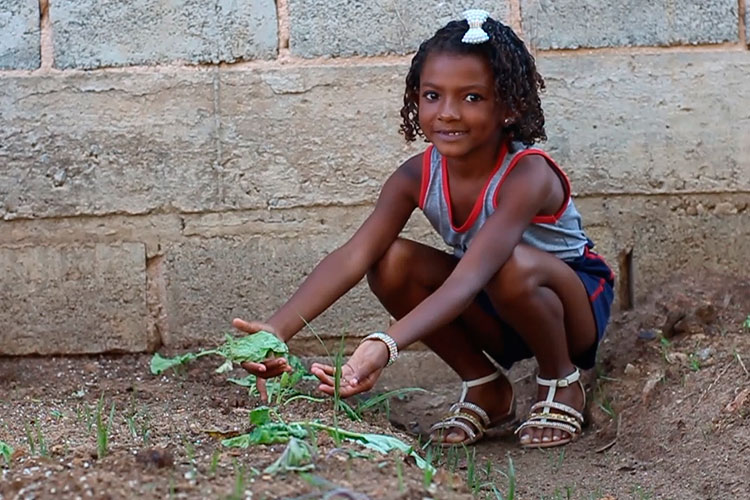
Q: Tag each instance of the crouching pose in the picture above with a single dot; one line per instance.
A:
(521, 280)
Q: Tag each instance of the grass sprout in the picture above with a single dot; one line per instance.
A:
(103, 429)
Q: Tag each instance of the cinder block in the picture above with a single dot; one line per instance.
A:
(346, 28)
(117, 33)
(311, 136)
(660, 123)
(19, 34)
(570, 24)
(113, 142)
(669, 235)
(211, 281)
(74, 300)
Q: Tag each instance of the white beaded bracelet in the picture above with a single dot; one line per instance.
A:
(389, 343)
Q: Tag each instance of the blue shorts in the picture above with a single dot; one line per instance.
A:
(599, 281)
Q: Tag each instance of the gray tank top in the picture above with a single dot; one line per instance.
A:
(560, 234)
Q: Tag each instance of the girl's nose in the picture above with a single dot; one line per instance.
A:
(448, 111)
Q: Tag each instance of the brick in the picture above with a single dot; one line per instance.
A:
(346, 28)
(97, 143)
(311, 136)
(210, 281)
(570, 24)
(74, 300)
(20, 35)
(120, 33)
(672, 234)
(660, 123)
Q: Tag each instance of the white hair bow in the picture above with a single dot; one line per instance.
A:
(475, 18)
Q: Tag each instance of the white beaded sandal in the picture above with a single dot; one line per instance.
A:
(566, 418)
(470, 417)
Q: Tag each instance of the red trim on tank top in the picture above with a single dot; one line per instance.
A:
(426, 161)
(479, 203)
(539, 219)
(598, 291)
(593, 255)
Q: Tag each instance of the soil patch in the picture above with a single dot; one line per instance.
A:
(668, 413)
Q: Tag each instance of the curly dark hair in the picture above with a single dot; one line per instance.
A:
(517, 83)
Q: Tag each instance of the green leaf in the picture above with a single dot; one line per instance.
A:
(382, 443)
(260, 415)
(160, 364)
(6, 451)
(226, 366)
(248, 381)
(270, 433)
(254, 347)
(297, 457)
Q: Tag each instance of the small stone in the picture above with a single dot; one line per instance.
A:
(704, 354)
(647, 334)
(677, 357)
(691, 210)
(631, 370)
(738, 401)
(725, 208)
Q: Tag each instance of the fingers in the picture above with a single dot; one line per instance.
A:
(260, 383)
(347, 385)
(268, 368)
(251, 326)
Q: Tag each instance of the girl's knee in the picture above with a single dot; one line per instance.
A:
(516, 280)
(390, 272)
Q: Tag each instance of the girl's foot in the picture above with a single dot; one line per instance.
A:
(493, 398)
(562, 425)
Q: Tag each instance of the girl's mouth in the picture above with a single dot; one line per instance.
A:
(451, 134)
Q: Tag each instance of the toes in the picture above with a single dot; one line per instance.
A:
(557, 435)
(532, 436)
(546, 435)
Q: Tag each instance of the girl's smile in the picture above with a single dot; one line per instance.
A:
(458, 109)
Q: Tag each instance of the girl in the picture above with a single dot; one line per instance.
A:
(521, 280)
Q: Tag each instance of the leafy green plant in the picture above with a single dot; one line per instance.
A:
(35, 440)
(6, 451)
(255, 347)
(268, 431)
(297, 457)
(379, 401)
(746, 324)
(214, 462)
(239, 482)
(428, 472)
(103, 429)
(694, 362)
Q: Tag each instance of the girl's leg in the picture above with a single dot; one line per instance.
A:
(543, 299)
(407, 274)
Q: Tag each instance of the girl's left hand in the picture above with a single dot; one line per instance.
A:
(360, 372)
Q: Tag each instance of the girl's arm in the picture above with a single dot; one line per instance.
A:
(343, 268)
(531, 188)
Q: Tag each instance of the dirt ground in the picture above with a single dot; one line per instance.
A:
(668, 412)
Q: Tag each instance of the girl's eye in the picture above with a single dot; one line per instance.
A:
(430, 95)
(473, 97)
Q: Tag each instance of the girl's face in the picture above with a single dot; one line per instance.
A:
(458, 109)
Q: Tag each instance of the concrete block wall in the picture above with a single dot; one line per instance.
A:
(166, 167)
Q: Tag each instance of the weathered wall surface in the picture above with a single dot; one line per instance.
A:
(170, 166)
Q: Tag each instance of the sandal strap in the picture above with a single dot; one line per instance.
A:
(559, 382)
(465, 405)
(471, 434)
(555, 417)
(544, 405)
(573, 431)
(466, 384)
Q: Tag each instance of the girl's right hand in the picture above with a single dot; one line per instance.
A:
(268, 368)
